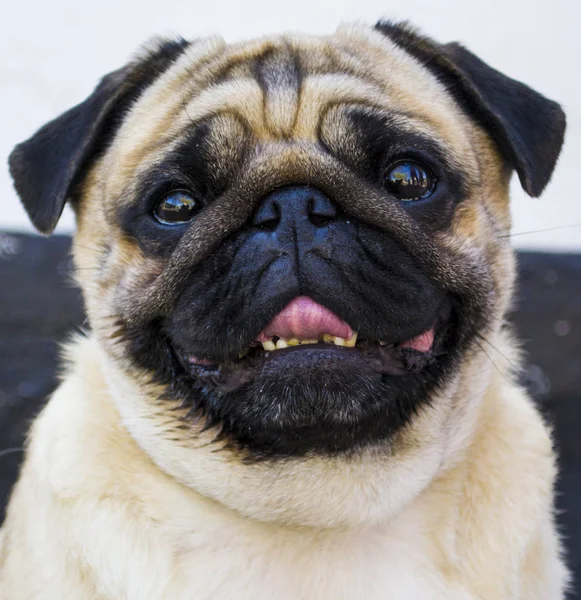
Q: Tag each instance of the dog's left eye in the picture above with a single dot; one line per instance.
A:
(408, 180)
(175, 208)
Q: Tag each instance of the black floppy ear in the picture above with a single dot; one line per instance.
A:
(527, 127)
(47, 167)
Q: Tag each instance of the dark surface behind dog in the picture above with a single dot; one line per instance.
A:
(39, 307)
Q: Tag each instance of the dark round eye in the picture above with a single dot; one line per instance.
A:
(408, 180)
(175, 208)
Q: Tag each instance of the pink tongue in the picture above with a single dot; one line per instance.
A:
(303, 318)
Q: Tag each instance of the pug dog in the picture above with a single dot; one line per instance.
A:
(299, 381)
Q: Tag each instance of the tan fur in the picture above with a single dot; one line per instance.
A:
(117, 500)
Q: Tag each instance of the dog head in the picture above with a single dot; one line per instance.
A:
(291, 250)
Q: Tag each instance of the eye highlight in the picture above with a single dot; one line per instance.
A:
(175, 208)
(407, 180)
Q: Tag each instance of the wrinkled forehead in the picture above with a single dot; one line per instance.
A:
(280, 88)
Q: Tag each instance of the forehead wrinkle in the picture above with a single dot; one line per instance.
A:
(192, 72)
(320, 92)
(404, 122)
(412, 87)
(150, 120)
(278, 73)
(197, 70)
(156, 135)
(243, 98)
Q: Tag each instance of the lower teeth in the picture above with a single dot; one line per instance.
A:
(280, 344)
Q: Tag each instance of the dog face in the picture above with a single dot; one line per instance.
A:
(291, 250)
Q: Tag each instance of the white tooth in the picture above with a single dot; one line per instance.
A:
(339, 341)
(269, 345)
(350, 343)
(281, 344)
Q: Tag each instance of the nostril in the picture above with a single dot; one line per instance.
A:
(321, 211)
(294, 207)
(319, 220)
(267, 217)
(268, 224)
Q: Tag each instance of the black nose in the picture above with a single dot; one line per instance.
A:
(295, 207)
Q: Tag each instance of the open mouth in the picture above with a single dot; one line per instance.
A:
(309, 382)
(307, 327)
(305, 379)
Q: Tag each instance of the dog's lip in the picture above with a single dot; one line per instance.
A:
(307, 321)
(303, 318)
(421, 344)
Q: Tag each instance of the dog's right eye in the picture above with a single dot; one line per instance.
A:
(175, 208)
(408, 180)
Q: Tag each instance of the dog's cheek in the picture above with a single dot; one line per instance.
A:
(480, 232)
(114, 274)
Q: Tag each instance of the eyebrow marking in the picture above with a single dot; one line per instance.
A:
(278, 73)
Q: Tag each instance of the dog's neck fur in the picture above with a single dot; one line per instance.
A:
(439, 546)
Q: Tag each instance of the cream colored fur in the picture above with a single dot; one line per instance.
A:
(93, 517)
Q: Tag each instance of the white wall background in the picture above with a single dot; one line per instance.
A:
(53, 52)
